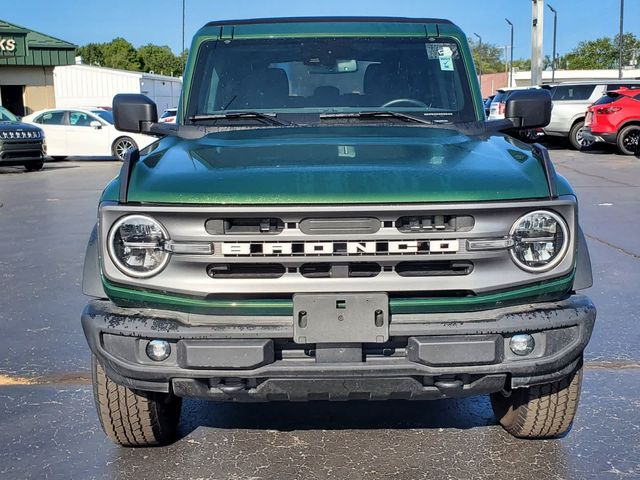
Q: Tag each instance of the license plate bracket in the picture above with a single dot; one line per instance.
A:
(341, 318)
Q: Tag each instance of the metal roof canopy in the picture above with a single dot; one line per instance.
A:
(34, 48)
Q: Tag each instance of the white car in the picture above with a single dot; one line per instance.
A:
(85, 132)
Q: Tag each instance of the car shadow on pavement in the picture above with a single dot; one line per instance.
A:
(322, 415)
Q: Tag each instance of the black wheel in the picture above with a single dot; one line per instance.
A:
(121, 146)
(34, 166)
(133, 418)
(576, 137)
(628, 140)
(540, 411)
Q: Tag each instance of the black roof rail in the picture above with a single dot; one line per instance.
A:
(253, 21)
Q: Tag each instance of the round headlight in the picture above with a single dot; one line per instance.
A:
(541, 240)
(136, 246)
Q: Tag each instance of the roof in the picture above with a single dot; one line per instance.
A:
(34, 48)
(258, 21)
(36, 39)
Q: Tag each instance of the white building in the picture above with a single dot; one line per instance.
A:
(90, 86)
(523, 79)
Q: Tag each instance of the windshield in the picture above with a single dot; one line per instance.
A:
(332, 75)
(7, 116)
(105, 115)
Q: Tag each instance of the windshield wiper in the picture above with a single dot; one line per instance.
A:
(381, 113)
(266, 118)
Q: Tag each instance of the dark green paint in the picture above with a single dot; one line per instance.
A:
(127, 297)
(304, 166)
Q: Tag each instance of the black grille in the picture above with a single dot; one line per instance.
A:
(245, 270)
(435, 223)
(434, 269)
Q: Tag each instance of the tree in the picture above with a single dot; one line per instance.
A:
(120, 54)
(602, 53)
(92, 53)
(522, 65)
(159, 60)
(487, 58)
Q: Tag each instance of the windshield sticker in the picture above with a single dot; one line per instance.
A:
(446, 64)
(445, 53)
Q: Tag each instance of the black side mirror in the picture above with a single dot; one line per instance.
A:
(528, 108)
(133, 112)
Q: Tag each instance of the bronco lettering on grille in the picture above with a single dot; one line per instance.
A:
(338, 248)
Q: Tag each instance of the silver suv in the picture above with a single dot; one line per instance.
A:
(570, 103)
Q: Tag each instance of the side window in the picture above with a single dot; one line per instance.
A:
(51, 118)
(79, 119)
(573, 92)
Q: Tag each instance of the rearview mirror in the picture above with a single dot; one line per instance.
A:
(95, 124)
(133, 112)
(528, 108)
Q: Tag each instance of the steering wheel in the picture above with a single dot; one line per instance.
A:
(410, 101)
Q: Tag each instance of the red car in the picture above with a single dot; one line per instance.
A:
(615, 119)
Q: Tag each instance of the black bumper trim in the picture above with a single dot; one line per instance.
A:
(573, 318)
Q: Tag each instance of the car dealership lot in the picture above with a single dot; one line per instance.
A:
(48, 426)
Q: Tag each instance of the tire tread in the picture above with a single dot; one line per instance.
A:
(133, 418)
(540, 411)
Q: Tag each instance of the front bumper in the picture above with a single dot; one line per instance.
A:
(20, 153)
(428, 356)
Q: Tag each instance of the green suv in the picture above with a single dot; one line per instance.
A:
(333, 218)
(20, 143)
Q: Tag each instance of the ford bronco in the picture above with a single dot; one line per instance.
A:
(332, 217)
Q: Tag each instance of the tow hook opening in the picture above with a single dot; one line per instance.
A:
(447, 384)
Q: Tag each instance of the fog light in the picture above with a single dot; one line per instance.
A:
(158, 350)
(522, 344)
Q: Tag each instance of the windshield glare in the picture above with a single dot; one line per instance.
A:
(7, 116)
(333, 75)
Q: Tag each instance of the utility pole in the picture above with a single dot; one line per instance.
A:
(479, 59)
(536, 41)
(511, 61)
(621, 39)
(555, 32)
(183, 11)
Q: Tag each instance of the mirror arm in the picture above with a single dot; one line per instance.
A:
(130, 159)
(542, 154)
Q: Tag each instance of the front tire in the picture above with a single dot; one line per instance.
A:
(121, 146)
(576, 137)
(540, 411)
(133, 418)
(34, 166)
(628, 140)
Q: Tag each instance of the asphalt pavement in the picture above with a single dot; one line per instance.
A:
(49, 428)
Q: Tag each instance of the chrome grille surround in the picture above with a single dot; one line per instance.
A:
(186, 273)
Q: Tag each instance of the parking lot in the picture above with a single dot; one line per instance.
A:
(49, 428)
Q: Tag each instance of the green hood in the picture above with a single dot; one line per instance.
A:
(307, 165)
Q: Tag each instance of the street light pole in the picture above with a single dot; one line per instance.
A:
(511, 60)
(621, 39)
(183, 11)
(555, 31)
(479, 59)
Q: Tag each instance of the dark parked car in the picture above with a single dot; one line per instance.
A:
(20, 143)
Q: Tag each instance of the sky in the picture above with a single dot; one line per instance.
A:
(160, 21)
